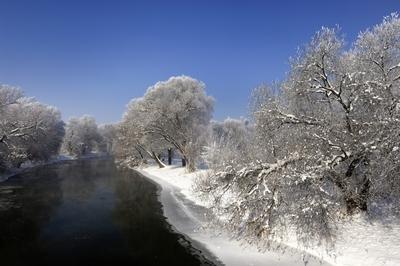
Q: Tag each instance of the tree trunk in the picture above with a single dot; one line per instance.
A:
(365, 194)
(190, 166)
(152, 155)
(356, 196)
(169, 156)
(140, 153)
(158, 161)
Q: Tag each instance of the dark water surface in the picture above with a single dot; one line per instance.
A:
(87, 213)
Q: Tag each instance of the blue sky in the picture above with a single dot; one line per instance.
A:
(92, 57)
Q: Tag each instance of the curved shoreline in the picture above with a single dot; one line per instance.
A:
(189, 218)
(169, 203)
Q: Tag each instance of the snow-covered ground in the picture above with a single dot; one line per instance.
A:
(361, 243)
(187, 212)
(364, 243)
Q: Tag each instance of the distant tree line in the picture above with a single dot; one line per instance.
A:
(31, 131)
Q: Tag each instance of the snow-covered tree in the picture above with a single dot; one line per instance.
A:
(81, 136)
(9, 96)
(177, 112)
(375, 62)
(47, 132)
(134, 143)
(326, 141)
(229, 143)
(29, 130)
(108, 133)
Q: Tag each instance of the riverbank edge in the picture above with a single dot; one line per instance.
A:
(160, 176)
(196, 247)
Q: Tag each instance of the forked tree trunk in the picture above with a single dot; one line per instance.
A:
(354, 199)
(152, 155)
(359, 200)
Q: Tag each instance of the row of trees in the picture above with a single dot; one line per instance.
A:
(324, 143)
(81, 136)
(321, 145)
(33, 131)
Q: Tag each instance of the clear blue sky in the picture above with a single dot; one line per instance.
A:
(92, 57)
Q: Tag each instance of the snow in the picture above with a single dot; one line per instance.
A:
(178, 177)
(365, 243)
(362, 243)
(187, 212)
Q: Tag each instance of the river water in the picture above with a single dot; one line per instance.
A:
(87, 212)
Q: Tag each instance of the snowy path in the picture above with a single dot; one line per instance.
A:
(186, 213)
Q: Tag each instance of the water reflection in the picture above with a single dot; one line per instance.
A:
(86, 213)
(28, 204)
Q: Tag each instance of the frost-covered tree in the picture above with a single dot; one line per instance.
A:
(127, 149)
(375, 62)
(350, 98)
(47, 132)
(177, 112)
(81, 136)
(108, 133)
(229, 143)
(29, 130)
(9, 96)
(134, 143)
(326, 141)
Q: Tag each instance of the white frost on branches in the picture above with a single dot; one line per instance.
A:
(324, 144)
(29, 130)
(172, 114)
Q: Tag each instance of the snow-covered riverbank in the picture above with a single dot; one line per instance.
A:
(187, 213)
(361, 243)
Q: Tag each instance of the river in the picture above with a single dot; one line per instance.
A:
(88, 212)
